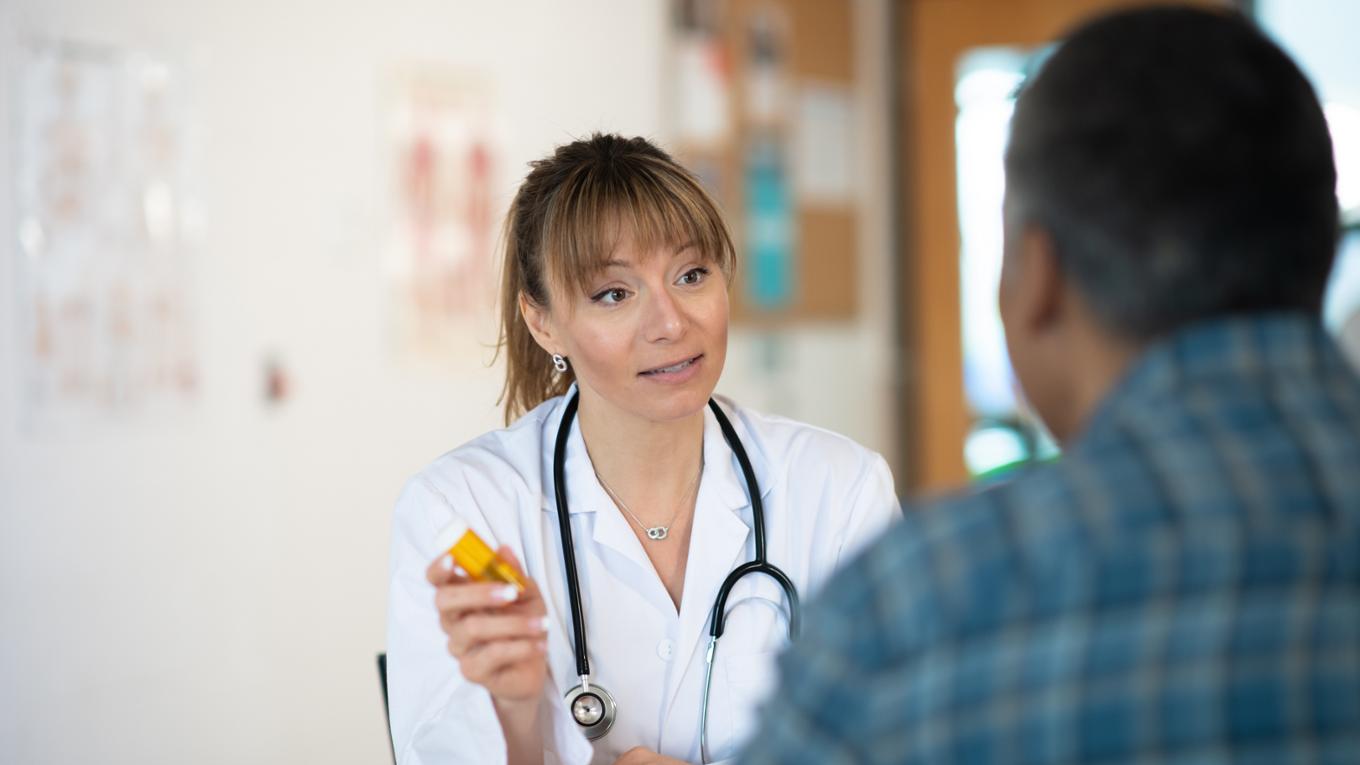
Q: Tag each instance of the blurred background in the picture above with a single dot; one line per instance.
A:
(248, 289)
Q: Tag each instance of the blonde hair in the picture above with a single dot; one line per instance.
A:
(568, 216)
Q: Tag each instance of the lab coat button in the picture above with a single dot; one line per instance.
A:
(664, 649)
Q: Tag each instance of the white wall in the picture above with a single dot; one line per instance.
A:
(1320, 34)
(212, 589)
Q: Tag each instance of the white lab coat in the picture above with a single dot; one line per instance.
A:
(824, 496)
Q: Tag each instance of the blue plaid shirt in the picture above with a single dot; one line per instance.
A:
(1183, 586)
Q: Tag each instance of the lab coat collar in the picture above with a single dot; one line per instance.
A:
(584, 493)
(721, 469)
(722, 479)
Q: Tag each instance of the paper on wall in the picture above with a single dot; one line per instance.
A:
(823, 138)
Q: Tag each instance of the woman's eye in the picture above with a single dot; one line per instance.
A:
(694, 276)
(610, 296)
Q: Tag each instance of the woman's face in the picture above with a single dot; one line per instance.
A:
(649, 336)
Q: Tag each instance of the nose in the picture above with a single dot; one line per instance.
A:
(665, 321)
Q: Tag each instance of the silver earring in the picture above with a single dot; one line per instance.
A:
(559, 363)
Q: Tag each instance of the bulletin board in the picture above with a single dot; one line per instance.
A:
(779, 152)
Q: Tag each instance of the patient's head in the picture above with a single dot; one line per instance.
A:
(1165, 166)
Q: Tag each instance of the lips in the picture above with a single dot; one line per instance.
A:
(678, 366)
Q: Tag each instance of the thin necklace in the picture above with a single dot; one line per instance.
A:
(660, 532)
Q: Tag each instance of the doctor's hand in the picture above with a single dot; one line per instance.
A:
(497, 634)
(640, 755)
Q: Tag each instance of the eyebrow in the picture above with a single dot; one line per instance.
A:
(616, 263)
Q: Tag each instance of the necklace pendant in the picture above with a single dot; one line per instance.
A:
(657, 532)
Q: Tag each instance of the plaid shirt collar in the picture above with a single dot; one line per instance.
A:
(1249, 347)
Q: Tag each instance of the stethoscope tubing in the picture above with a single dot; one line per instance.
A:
(578, 617)
(759, 564)
(718, 614)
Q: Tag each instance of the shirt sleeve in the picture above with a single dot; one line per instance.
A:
(437, 716)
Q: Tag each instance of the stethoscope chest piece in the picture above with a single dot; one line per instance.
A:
(593, 709)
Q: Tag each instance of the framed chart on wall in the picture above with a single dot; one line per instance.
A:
(106, 231)
(444, 152)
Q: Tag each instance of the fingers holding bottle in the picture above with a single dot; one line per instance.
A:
(495, 619)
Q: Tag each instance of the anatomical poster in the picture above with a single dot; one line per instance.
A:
(445, 155)
(105, 227)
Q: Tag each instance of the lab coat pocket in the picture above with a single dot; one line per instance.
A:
(750, 678)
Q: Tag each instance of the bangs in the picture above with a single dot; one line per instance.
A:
(654, 204)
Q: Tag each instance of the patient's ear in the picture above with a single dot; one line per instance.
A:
(1033, 309)
(1036, 282)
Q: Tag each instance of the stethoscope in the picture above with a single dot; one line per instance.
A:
(592, 707)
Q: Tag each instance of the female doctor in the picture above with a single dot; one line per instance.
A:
(624, 495)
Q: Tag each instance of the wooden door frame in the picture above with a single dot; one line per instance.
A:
(929, 37)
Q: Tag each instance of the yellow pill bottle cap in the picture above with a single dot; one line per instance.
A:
(451, 534)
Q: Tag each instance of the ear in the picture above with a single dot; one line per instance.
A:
(539, 322)
(1035, 281)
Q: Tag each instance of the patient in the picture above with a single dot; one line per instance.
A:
(1184, 585)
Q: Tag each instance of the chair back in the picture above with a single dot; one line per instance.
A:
(387, 712)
